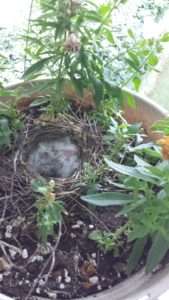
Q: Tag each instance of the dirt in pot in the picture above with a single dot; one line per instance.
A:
(78, 256)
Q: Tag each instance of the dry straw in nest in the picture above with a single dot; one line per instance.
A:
(15, 176)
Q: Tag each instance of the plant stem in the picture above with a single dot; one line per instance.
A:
(28, 30)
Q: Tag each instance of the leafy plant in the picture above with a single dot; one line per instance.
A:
(4, 132)
(49, 210)
(91, 175)
(120, 136)
(144, 201)
(148, 214)
(78, 41)
(10, 122)
(108, 241)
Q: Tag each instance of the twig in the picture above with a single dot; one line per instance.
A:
(11, 247)
(5, 206)
(15, 160)
(28, 30)
(45, 266)
(8, 259)
(53, 253)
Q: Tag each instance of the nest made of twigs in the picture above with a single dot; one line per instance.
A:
(15, 176)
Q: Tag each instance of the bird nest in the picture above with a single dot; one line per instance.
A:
(17, 167)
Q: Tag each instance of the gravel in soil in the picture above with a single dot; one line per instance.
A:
(71, 266)
(80, 267)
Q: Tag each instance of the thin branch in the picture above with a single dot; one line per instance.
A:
(52, 256)
(28, 30)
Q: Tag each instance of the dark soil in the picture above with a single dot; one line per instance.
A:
(77, 267)
(76, 256)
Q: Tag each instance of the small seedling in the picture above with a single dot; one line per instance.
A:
(107, 241)
(49, 210)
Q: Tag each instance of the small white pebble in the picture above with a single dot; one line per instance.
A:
(91, 226)
(73, 236)
(109, 287)
(12, 253)
(72, 214)
(118, 275)
(99, 287)
(59, 279)
(24, 254)
(93, 262)
(1, 277)
(20, 283)
(9, 228)
(33, 259)
(93, 255)
(52, 295)
(79, 222)
(38, 290)
(76, 226)
(27, 281)
(39, 258)
(41, 282)
(102, 278)
(94, 280)
(8, 235)
(68, 279)
(61, 286)
(65, 273)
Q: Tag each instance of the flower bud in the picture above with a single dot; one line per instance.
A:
(72, 43)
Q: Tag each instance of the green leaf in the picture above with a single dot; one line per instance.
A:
(157, 251)
(39, 102)
(140, 147)
(138, 232)
(130, 99)
(35, 68)
(77, 83)
(155, 171)
(132, 64)
(134, 128)
(105, 8)
(153, 60)
(140, 162)
(131, 207)
(134, 57)
(108, 198)
(110, 37)
(97, 88)
(131, 34)
(137, 83)
(135, 255)
(131, 171)
(96, 235)
(153, 153)
(165, 37)
(39, 185)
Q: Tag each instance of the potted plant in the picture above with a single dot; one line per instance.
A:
(84, 196)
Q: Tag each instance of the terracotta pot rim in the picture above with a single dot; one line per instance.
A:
(144, 98)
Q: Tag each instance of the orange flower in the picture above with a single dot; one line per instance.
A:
(164, 142)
